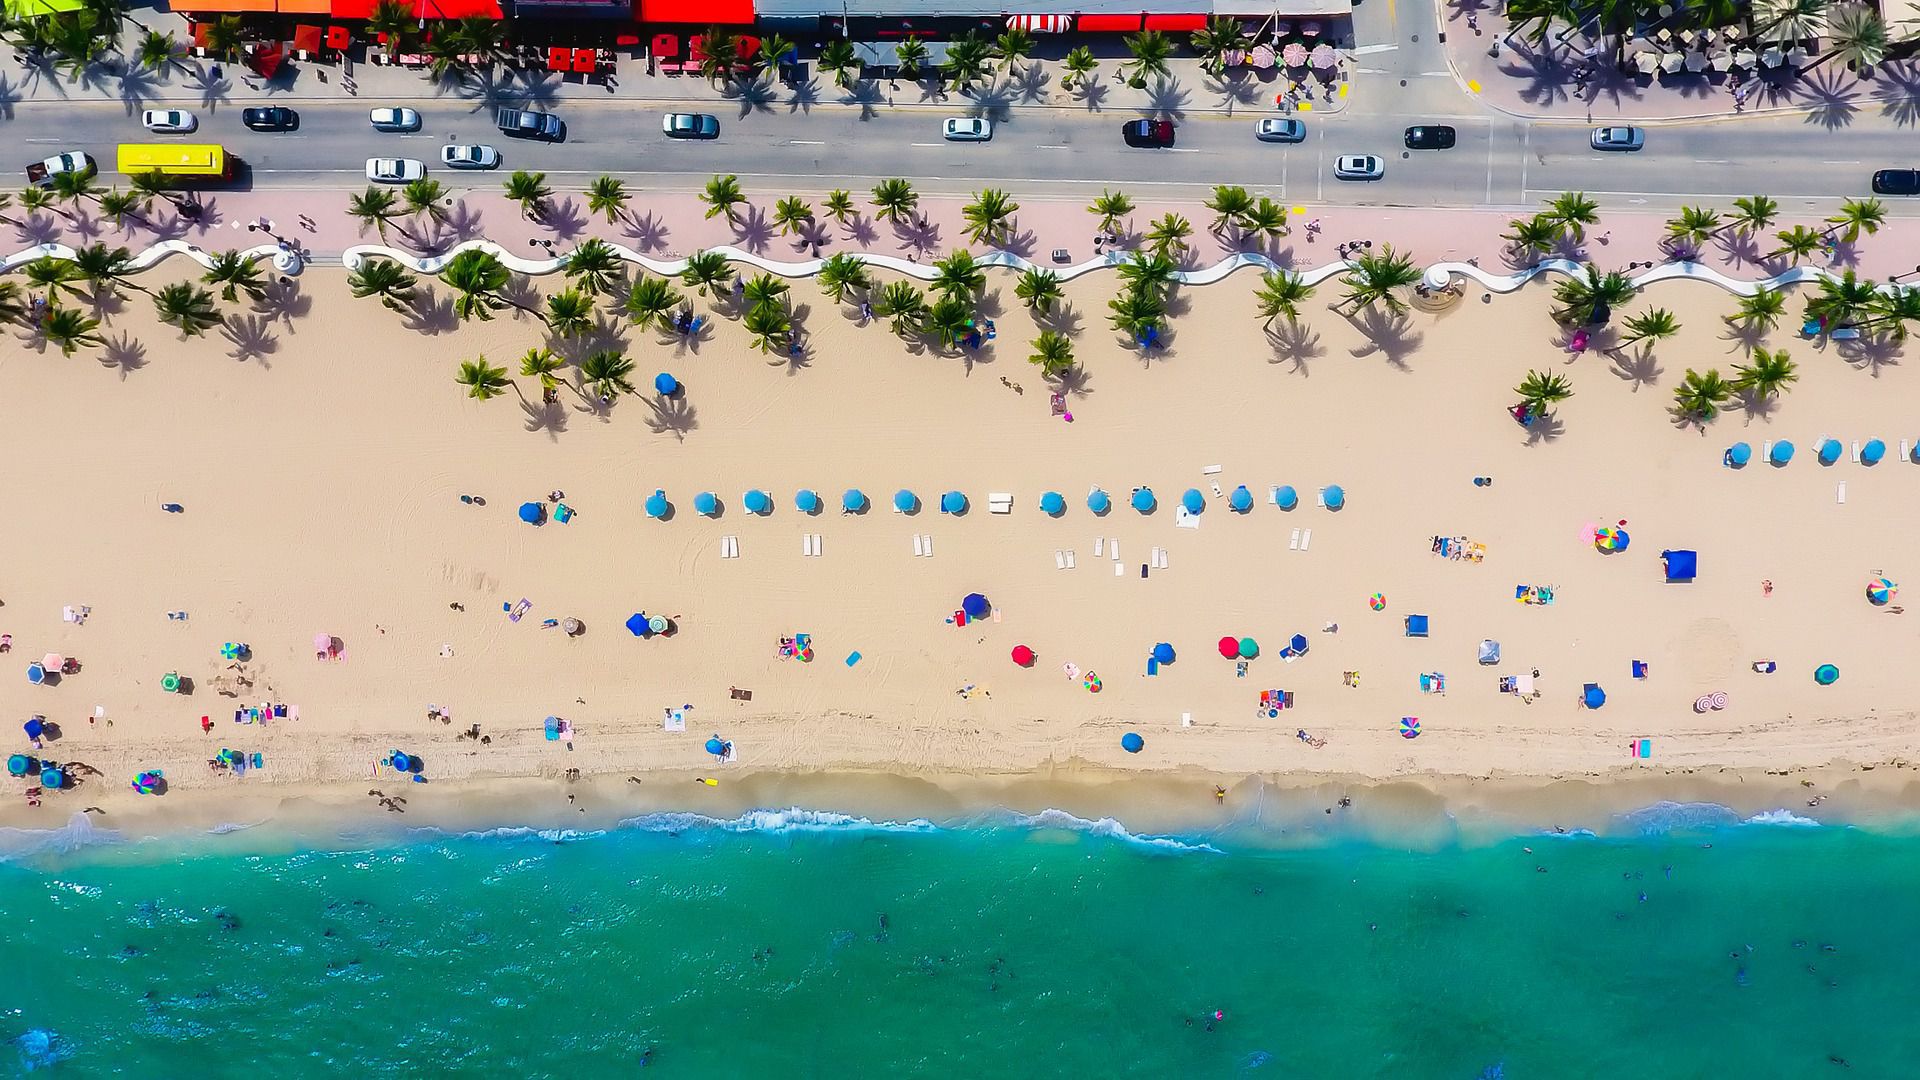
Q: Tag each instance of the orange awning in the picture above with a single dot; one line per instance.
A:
(224, 6)
(306, 7)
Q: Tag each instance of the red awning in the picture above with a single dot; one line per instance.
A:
(665, 46)
(306, 39)
(1111, 24)
(697, 12)
(456, 9)
(200, 34)
(352, 9)
(1041, 24)
(1176, 22)
(338, 38)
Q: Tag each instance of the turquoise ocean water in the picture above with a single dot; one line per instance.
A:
(1683, 944)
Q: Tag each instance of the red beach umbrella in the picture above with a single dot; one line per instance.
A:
(1023, 656)
(1230, 647)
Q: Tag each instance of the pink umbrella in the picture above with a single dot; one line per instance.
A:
(1294, 54)
(53, 661)
(1322, 56)
(1261, 57)
(323, 646)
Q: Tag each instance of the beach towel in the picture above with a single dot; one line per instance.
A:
(672, 719)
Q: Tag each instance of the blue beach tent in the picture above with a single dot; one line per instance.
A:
(1681, 565)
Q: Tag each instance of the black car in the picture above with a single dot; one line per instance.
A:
(270, 118)
(1147, 132)
(1896, 182)
(531, 124)
(1436, 137)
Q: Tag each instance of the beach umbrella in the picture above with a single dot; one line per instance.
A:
(657, 504)
(231, 651)
(706, 503)
(1378, 601)
(1288, 498)
(532, 513)
(1261, 57)
(36, 674)
(1739, 454)
(323, 644)
(1873, 451)
(1193, 501)
(905, 501)
(1298, 644)
(1321, 57)
(1826, 674)
(20, 765)
(399, 761)
(1230, 647)
(1334, 495)
(1409, 727)
(1143, 500)
(953, 502)
(1132, 743)
(1098, 502)
(570, 626)
(1052, 505)
(1592, 696)
(1609, 538)
(665, 384)
(657, 624)
(53, 778)
(975, 605)
(1163, 653)
(34, 727)
(1022, 656)
(716, 747)
(1671, 62)
(1696, 62)
(637, 624)
(1829, 451)
(1241, 500)
(1646, 62)
(806, 501)
(853, 501)
(1782, 452)
(170, 682)
(1293, 54)
(757, 501)
(1247, 648)
(1880, 590)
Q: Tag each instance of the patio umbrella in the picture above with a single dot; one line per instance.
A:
(1143, 500)
(665, 384)
(1721, 61)
(1826, 674)
(1293, 55)
(1052, 504)
(1672, 62)
(1241, 500)
(1743, 58)
(637, 624)
(975, 605)
(1873, 451)
(716, 747)
(1609, 538)
(1163, 653)
(1739, 454)
(1782, 452)
(1288, 497)
(1771, 57)
(1696, 62)
(1335, 496)
(953, 502)
(706, 503)
(806, 501)
(1880, 590)
(532, 513)
(853, 501)
(53, 661)
(570, 626)
(1193, 501)
(170, 682)
(1248, 648)
(1829, 451)
(1023, 656)
(757, 501)
(1132, 743)
(1230, 647)
(1321, 57)
(1098, 502)
(905, 501)
(1646, 62)
(657, 504)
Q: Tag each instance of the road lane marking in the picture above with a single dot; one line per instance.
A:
(1368, 50)
(1051, 146)
(805, 142)
(1703, 161)
(924, 144)
(1839, 163)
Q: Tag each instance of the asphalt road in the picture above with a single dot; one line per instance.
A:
(1037, 152)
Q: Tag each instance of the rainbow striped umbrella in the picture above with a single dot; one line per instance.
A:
(1880, 590)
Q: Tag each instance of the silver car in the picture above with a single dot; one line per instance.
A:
(1619, 138)
(966, 129)
(387, 170)
(469, 156)
(687, 125)
(1358, 167)
(169, 121)
(1281, 129)
(395, 119)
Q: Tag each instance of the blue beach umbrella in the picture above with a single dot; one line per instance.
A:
(665, 384)
(806, 501)
(36, 674)
(637, 624)
(532, 513)
(1241, 500)
(1098, 502)
(1163, 653)
(657, 504)
(1298, 644)
(53, 778)
(706, 503)
(1873, 451)
(1782, 452)
(853, 501)
(905, 501)
(757, 501)
(1193, 501)
(1592, 696)
(716, 747)
(1826, 674)
(1829, 451)
(1739, 454)
(1288, 497)
(1132, 743)
(34, 727)
(1335, 496)
(1052, 505)
(1143, 500)
(975, 605)
(953, 502)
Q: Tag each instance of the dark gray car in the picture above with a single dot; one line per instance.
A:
(531, 124)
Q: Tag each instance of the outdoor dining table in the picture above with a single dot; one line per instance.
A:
(665, 46)
(585, 62)
(339, 38)
(556, 58)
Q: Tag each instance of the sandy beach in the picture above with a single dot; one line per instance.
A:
(319, 451)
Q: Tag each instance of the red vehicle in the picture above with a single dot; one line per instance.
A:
(1152, 133)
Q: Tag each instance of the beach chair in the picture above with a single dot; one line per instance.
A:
(999, 502)
(1856, 451)
(1059, 559)
(1306, 538)
(926, 545)
(1417, 625)
(1433, 682)
(919, 548)
(1293, 544)
(1845, 333)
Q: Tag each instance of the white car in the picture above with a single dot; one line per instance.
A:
(469, 156)
(389, 170)
(967, 129)
(169, 121)
(1358, 167)
(1281, 129)
(395, 119)
(1618, 138)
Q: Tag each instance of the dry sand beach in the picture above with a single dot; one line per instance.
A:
(320, 465)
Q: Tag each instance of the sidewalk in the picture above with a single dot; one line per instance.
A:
(1541, 81)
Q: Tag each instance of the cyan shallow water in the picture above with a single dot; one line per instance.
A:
(757, 948)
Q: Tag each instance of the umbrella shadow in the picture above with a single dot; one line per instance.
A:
(124, 353)
(251, 336)
(1294, 343)
(671, 416)
(1640, 368)
(1390, 335)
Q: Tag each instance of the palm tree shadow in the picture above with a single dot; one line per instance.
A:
(685, 344)
(1029, 84)
(1073, 382)
(1389, 334)
(251, 336)
(88, 227)
(9, 97)
(919, 235)
(519, 292)
(867, 94)
(754, 96)
(283, 301)
(1063, 318)
(1545, 429)
(137, 87)
(607, 334)
(1019, 242)
(861, 230)
(1541, 78)
(566, 220)
(1746, 337)
(1871, 354)
(752, 230)
(550, 417)
(648, 232)
(1740, 246)
(1758, 406)
(1234, 91)
(1640, 369)
(123, 353)
(464, 222)
(1828, 99)
(671, 416)
(1899, 95)
(104, 304)
(1167, 99)
(39, 229)
(431, 313)
(213, 91)
(1294, 343)
(1092, 92)
(803, 95)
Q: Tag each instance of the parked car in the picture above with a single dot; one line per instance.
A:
(1283, 129)
(169, 121)
(395, 119)
(1618, 138)
(270, 118)
(1154, 133)
(530, 124)
(387, 170)
(41, 173)
(1896, 182)
(469, 156)
(966, 129)
(1430, 137)
(690, 125)
(1358, 167)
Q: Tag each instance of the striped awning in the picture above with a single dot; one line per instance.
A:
(1040, 24)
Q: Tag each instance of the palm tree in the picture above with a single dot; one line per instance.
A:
(1857, 216)
(482, 380)
(1855, 34)
(393, 19)
(569, 313)
(1771, 373)
(482, 40)
(837, 58)
(1039, 289)
(1150, 50)
(770, 326)
(71, 187)
(1110, 207)
(423, 196)
(594, 266)
(989, 216)
(1379, 277)
(895, 199)
(909, 57)
(1840, 302)
(1080, 64)
(1282, 293)
(608, 196)
(1798, 241)
(966, 63)
(35, 199)
(1052, 353)
(792, 214)
(542, 365)
(1763, 310)
(1151, 274)
(1541, 389)
(1652, 325)
(56, 276)
(948, 321)
(773, 51)
(530, 190)
(707, 272)
(186, 307)
(1536, 234)
(235, 274)
(13, 307)
(1169, 234)
(476, 278)
(223, 38)
(1694, 227)
(841, 274)
(1572, 212)
(70, 329)
(719, 51)
(1699, 398)
(1585, 300)
(958, 276)
(722, 195)
(1752, 214)
(1013, 46)
(150, 185)
(119, 206)
(652, 300)
(374, 206)
(1265, 218)
(384, 278)
(902, 303)
(1895, 308)
(766, 291)
(1136, 314)
(157, 51)
(1222, 35)
(101, 266)
(608, 373)
(1229, 203)
(838, 205)
(1787, 21)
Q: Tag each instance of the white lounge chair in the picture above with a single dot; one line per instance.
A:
(1306, 539)
(919, 547)
(1293, 543)
(1059, 559)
